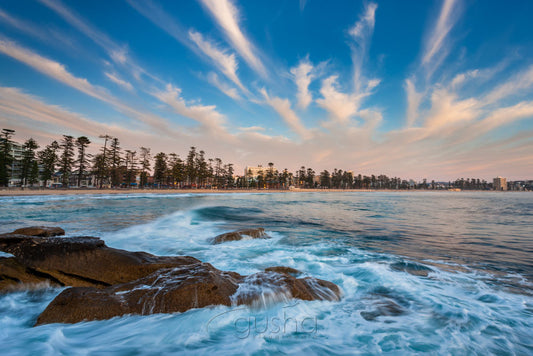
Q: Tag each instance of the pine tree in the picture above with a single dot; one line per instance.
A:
(115, 161)
(27, 162)
(6, 157)
(48, 160)
(145, 165)
(66, 160)
(83, 157)
(160, 168)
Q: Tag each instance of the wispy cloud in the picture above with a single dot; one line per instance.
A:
(283, 108)
(361, 33)
(226, 63)
(22, 25)
(120, 82)
(210, 119)
(227, 16)
(436, 46)
(77, 22)
(212, 78)
(58, 72)
(302, 76)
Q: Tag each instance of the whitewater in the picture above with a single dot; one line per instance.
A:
(435, 272)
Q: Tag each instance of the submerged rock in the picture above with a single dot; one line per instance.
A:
(412, 268)
(258, 233)
(108, 282)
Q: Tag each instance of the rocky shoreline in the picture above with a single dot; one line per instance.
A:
(105, 282)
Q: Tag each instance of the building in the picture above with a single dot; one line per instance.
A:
(17, 153)
(500, 183)
(253, 172)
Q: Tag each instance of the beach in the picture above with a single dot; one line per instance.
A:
(23, 192)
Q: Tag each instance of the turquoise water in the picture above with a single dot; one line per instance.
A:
(444, 273)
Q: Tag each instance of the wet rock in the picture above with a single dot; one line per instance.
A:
(385, 302)
(180, 289)
(108, 282)
(80, 261)
(40, 231)
(258, 233)
(385, 307)
(165, 291)
(282, 269)
(412, 268)
(15, 276)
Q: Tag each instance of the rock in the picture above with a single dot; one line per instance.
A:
(258, 233)
(385, 307)
(108, 282)
(40, 231)
(165, 291)
(80, 261)
(15, 276)
(180, 289)
(282, 269)
(412, 268)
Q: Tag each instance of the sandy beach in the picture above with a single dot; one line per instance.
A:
(22, 192)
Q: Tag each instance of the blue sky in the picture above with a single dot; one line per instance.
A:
(417, 89)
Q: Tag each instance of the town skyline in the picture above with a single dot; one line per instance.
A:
(444, 95)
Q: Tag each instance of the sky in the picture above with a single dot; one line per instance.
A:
(416, 89)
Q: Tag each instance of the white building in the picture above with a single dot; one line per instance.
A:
(500, 183)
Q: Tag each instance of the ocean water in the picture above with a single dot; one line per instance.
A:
(435, 272)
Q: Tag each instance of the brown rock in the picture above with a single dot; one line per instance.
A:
(258, 233)
(15, 276)
(282, 269)
(40, 231)
(110, 282)
(83, 261)
(180, 289)
(165, 291)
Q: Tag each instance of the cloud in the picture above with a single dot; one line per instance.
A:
(75, 21)
(120, 82)
(58, 72)
(435, 47)
(251, 128)
(283, 108)
(118, 53)
(22, 26)
(212, 78)
(413, 102)
(227, 16)
(516, 85)
(210, 119)
(17, 106)
(340, 105)
(302, 76)
(161, 19)
(361, 34)
(225, 62)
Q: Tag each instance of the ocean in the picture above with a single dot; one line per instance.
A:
(435, 272)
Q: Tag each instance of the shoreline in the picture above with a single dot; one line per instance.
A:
(37, 192)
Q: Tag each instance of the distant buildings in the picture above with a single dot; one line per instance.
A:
(499, 183)
(254, 171)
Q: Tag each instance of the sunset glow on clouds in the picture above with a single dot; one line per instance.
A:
(437, 89)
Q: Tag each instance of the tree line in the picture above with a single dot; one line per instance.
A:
(112, 166)
(69, 161)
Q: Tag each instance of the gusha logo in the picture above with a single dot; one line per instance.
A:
(269, 326)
